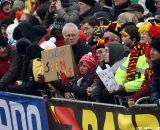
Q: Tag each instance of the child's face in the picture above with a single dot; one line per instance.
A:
(83, 68)
(7, 7)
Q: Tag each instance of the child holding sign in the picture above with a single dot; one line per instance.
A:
(86, 77)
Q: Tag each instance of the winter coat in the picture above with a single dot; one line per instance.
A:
(10, 67)
(70, 14)
(135, 85)
(155, 83)
(3, 15)
(155, 89)
(29, 86)
(79, 50)
(77, 86)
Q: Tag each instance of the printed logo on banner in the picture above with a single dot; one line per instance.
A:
(19, 112)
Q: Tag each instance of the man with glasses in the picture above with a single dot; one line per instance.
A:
(71, 32)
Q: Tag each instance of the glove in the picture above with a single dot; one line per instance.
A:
(64, 78)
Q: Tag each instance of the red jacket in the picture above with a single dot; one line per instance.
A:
(145, 91)
(3, 15)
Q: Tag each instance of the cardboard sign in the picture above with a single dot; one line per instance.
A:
(108, 79)
(58, 60)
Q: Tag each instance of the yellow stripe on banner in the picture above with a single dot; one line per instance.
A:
(109, 122)
(147, 121)
(125, 122)
(89, 118)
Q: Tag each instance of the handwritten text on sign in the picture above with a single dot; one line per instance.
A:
(57, 60)
(107, 77)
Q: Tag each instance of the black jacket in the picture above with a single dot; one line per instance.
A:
(155, 82)
(80, 92)
(79, 50)
(29, 86)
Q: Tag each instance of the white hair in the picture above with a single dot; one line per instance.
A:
(70, 25)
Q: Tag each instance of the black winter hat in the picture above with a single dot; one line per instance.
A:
(156, 43)
(132, 30)
(22, 45)
(24, 29)
(2, 2)
(58, 25)
(3, 41)
(33, 52)
(88, 2)
(6, 22)
(102, 16)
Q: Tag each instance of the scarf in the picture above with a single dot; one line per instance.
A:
(136, 52)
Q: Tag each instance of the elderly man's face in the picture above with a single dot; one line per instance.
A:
(72, 34)
(119, 2)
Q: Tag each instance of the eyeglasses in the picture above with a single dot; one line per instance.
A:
(71, 35)
(99, 52)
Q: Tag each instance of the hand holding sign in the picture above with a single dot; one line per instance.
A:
(107, 77)
(64, 78)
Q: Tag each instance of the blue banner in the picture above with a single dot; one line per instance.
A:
(19, 112)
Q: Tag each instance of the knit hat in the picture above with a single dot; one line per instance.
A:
(26, 30)
(131, 29)
(89, 60)
(50, 44)
(57, 26)
(6, 22)
(22, 45)
(88, 2)
(9, 31)
(156, 44)
(3, 41)
(135, 7)
(102, 16)
(101, 43)
(58, 23)
(33, 52)
(114, 28)
(18, 4)
(3, 1)
(99, 32)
